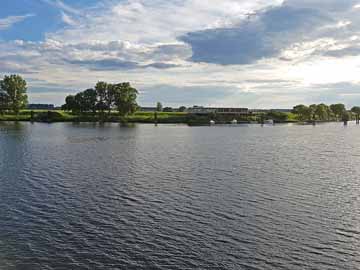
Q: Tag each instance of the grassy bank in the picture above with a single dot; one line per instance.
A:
(62, 116)
(138, 117)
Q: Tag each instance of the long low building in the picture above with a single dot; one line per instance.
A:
(41, 107)
(207, 110)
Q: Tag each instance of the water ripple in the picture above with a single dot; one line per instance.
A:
(174, 197)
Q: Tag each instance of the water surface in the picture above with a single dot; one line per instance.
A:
(84, 196)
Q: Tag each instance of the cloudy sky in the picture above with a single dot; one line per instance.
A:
(253, 53)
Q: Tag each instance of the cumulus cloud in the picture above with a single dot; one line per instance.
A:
(228, 52)
(262, 36)
(96, 55)
(158, 21)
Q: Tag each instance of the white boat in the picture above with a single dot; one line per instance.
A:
(269, 122)
(234, 122)
(212, 122)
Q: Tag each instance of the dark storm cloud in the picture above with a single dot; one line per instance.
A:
(262, 36)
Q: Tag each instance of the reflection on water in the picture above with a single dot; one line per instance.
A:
(89, 196)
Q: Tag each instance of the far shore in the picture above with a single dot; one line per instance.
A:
(55, 116)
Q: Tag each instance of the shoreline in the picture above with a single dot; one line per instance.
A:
(58, 116)
(300, 123)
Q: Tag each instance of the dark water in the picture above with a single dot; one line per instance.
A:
(175, 197)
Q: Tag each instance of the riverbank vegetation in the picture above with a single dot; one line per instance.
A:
(108, 102)
(324, 113)
(103, 99)
(13, 94)
(68, 116)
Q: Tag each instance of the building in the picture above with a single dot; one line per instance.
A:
(208, 110)
(259, 111)
(41, 107)
(147, 109)
(154, 109)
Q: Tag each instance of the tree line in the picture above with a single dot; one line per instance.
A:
(160, 108)
(13, 94)
(103, 98)
(325, 112)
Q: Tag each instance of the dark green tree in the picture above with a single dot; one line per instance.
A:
(89, 100)
(277, 116)
(4, 102)
(313, 108)
(15, 88)
(101, 89)
(182, 109)
(125, 98)
(70, 104)
(159, 107)
(303, 112)
(345, 116)
(167, 109)
(111, 96)
(104, 97)
(80, 102)
(338, 110)
(322, 111)
(356, 111)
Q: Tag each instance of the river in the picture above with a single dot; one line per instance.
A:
(85, 196)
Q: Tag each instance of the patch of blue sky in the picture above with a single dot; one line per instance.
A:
(46, 17)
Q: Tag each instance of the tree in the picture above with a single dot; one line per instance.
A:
(277, 116)
(303, 112)
(356, 111)
(125, 98)
(345, 116)
(70, 104)
(104, 97)
(159, 107)
(110, 97)
(101, 89)
(322, 111)
(182, 109)
(89, 100)
(168, 109)
(15, 88)
(4, 102)
(79, 102)
(338, 109)
(313, 108)
(329, 113)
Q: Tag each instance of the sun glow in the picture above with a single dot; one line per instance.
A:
(326, 71)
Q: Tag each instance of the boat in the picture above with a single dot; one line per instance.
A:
(269, 122)
(234, 122)
(212, 122)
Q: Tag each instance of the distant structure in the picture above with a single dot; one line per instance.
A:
(148, 109)
(216, 110)
(153, 109)
(41, 107)
(270, 110)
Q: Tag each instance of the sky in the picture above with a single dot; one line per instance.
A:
(238, 53)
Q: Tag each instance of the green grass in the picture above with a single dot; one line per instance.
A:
(292, 117)
(62, 116)
(162, 117)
